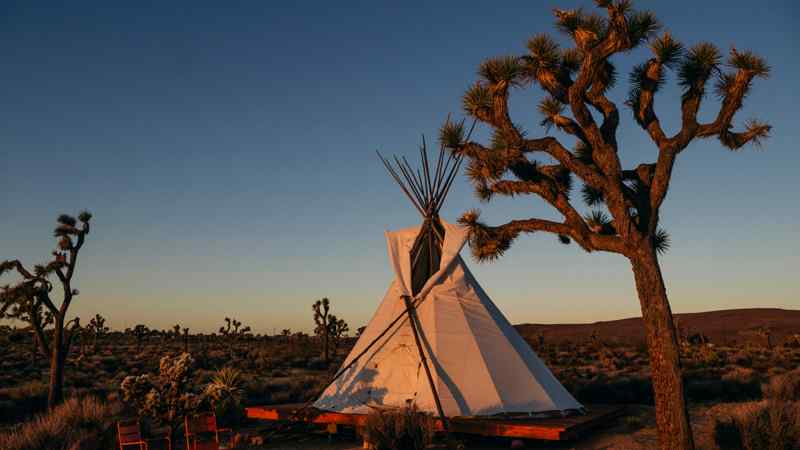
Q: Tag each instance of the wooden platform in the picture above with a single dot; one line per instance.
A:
(552, 429)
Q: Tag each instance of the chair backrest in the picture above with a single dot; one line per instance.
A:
(129, 431)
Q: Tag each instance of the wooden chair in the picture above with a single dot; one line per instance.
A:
(202, 432)
(163, 434)
(129, 433)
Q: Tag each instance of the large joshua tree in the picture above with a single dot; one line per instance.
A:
(627, 202)
(30, 299)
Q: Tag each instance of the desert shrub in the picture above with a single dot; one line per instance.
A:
(300, 362)
(623, 390)
(22, 401)
(303, 388)
(77, 424)
(316, 364)
(167, 398)
(764, 425)
(257, 391)
(739, 384)
(784, 387)
(395, 429)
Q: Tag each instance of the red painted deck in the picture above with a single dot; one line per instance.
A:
(551, 429)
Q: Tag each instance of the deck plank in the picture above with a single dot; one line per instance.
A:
(552, 429)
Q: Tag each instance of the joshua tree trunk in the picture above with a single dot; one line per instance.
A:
(671, 414)
(57, 359)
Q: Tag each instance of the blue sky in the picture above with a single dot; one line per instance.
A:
(227, 152)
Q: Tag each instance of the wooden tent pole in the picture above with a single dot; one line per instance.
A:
(414, 323)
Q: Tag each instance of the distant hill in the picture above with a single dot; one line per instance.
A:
(723, 327)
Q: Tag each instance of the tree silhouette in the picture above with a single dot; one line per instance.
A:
(30, 299)
(321, 309)
(627, 202)
(97, 326)
(140, 332)
(337, 329)
(233, 329)
(186, 340)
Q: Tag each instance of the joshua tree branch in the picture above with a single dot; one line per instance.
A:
(644, 112)
(588, 240)
(608, 129)
(17, 265)
(734, 93)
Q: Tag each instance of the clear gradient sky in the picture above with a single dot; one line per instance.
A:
(226, 150)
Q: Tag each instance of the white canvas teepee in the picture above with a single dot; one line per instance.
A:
(437, 340)
(479, 364)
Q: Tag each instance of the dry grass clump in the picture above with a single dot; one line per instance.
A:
(784, 387)
(77, 424)
(768, 424)
(22, 401)
(398, 429)
(773, 423)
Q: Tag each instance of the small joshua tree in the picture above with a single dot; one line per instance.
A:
(337, 329)
(321, 309)
(30, 298)
(628, 201)
(140, 332)
(233, 329)
(97, 326)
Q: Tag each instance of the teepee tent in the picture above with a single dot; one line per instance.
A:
(437, 340)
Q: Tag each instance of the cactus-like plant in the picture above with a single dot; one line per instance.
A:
(167, 397)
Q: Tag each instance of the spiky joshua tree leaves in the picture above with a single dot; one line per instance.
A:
(30, 298)
(625, 202)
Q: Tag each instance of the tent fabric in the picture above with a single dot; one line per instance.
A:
(479, 363)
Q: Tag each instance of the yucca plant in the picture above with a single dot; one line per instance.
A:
(224, 394)
(625, 202)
